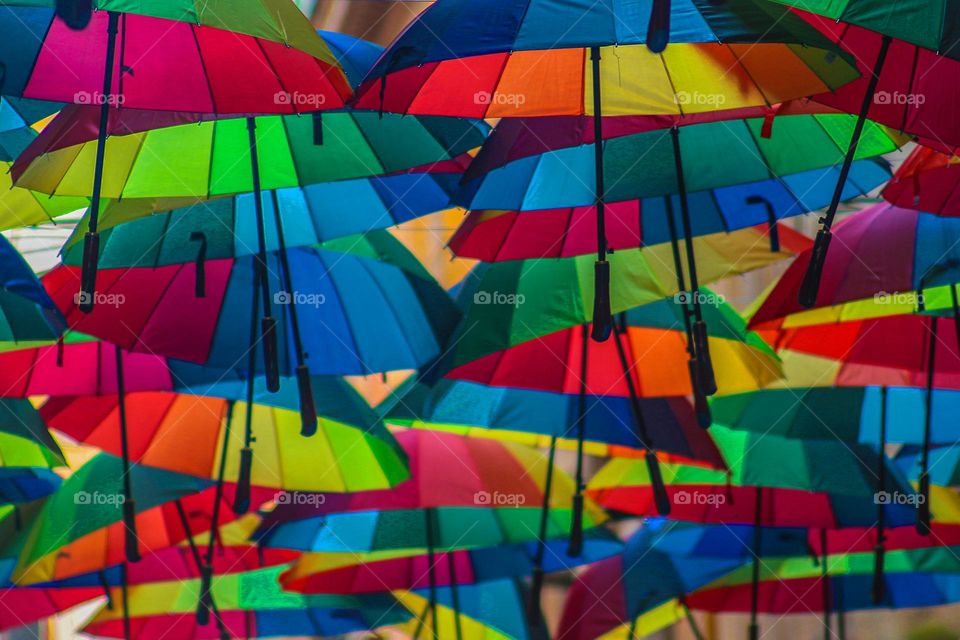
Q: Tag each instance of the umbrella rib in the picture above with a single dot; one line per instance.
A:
(203, 64)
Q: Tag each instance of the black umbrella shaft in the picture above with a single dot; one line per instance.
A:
(112, 28)
(924, 511)
(261, 260)
(218, 493)
(685, 221)
(122, 410)
(825, 578)
(252, 361)
(431, 573)
(599, 188)
(545, 507)
(857, 132)
(757, 552)
(287, 277)
(636, 408)
(678, 267)
(125, 601)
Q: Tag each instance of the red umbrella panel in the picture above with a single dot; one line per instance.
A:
(928, 181)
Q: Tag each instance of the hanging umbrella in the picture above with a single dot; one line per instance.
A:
(535, 417)
(24, 606)
(780, 481)
(28, 455)
(495, 235)
(926, 181)
(269, 40)
(491, 611)
(251, 605)
(898, 49)
(880, 252)
(17, 119)
(389, 570)
(79, 528)
(541, 49)
(27, 314)
(366, 316)
(661, 562)
(184, 433)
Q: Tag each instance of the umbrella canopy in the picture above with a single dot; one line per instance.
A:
(654, 334)
(185, 434)
(488, 611)
(17, 118)
(534, 417)
(27, 314)
(494, 235)
(28, 455)
(79, 528)
(23, 606)
(881, 250)
(516, 301)
(852, 414)
(166, 155)
(927, 181)
(931, 25)
(661, 561)
(564, 177)
(531, 59)
(251, 605)
(389, 570)
(822, 483)
(365, 316)
(219, 57)
(447, 470)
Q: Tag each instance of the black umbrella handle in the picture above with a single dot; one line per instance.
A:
(660, 496)
(536, 588)
(206, 601)
(200, 287)
(879, 553)
(575, 546)
(241, 500)
(130, 542)
(602, 316)
(271, 355)
(811, 279)
(75, 14)
(88, 271)
(308, 409)
(658, 30)
(700, 405)
(701, 346)
(753, 631)
(923, 509)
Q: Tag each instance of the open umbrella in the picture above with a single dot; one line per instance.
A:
(228, 59)
(27, 314)
(28, 455)
(927, 181)
(533, 62)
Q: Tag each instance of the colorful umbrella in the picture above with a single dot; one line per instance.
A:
(537, 44)
(389, 570)
(17, 118)
(366, 316)
(261, 57)
(534, 418)
(186, 433)
(251, 605)
(27, 314)
(490, 611)
(28, 454)
(927, 181)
